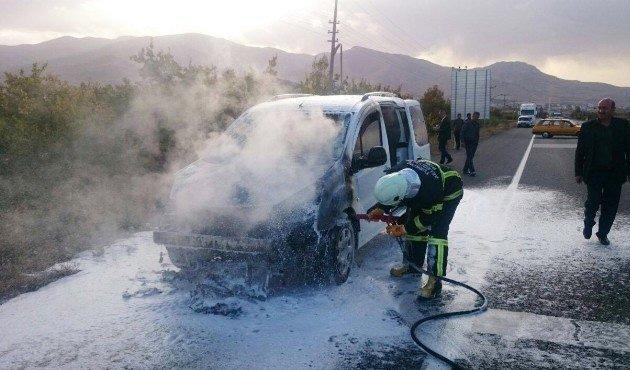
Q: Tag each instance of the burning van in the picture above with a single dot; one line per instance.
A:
(276, 194)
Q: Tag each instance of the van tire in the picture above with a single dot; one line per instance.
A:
(546, 135)
(341, 251)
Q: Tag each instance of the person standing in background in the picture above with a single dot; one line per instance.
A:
(602, 161)
(470, 135)
(444, 135)
(457, 129)
(467, 120)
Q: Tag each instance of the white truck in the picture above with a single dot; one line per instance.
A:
(378, 130)
(527, 115)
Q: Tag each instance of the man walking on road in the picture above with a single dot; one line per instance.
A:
(444, 135)
(602, 161)
(457, 129)
(470, 135)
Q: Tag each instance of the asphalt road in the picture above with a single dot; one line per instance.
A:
(571, 296)
(549, 165)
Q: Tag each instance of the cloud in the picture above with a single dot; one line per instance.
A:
(455, 32)
(599, 69)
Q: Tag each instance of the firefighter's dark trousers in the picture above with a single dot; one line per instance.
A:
(604, 191)
(430, 238)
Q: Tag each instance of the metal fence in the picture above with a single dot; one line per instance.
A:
(470, 92)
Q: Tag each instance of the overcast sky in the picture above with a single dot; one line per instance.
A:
(586, 40)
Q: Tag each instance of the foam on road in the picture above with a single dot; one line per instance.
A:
(556, 299)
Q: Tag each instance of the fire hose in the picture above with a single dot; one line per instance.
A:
(390, 219)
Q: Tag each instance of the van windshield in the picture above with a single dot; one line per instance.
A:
(527, 112)
(300, 132)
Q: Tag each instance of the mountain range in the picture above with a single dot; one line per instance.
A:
(108, 60)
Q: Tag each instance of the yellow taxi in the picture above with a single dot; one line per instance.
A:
(550, 127)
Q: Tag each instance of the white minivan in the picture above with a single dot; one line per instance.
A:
(376, 131)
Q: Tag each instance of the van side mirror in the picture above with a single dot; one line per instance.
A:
(375, 157)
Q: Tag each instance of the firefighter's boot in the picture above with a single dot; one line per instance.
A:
(401, 270)
(431, 289)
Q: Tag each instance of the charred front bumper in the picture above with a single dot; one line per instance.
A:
(189, 249)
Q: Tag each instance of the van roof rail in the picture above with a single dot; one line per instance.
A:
(288, 96)
(378, 93)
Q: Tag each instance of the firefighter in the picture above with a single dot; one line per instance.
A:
(431, 193)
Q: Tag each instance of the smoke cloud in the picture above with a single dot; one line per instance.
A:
(110, 157)
(271, 157)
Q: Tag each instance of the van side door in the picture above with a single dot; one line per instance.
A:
(371, 133)
(421, 147)
(404, 148)
(397, 133)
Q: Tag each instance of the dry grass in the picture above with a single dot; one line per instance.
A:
(13, 282)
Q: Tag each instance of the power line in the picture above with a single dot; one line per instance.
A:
(311, 30)
(402, 30)
(359, 37)
(390, 38)
(388, 33)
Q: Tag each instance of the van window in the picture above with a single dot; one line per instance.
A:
(369, 135)
(419, 128)
(394, 130)
(403, 115)
(392, 123)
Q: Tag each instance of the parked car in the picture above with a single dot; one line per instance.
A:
(378, 130)
(556, 127)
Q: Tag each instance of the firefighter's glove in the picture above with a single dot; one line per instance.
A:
(375, 214)
(396, 230)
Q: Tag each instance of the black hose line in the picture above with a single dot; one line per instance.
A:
(444, 315)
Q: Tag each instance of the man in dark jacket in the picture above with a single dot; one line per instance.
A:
(602, 161)
(457, 129)
(444, 135)
(431, 193)
(470, 135)
(468, 119)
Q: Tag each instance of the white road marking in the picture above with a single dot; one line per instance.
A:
(556, 146)
(525, 325)
(519, 172)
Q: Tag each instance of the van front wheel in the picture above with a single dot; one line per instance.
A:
(341, 251)
(546, 135)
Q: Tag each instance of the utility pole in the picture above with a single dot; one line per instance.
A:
(466, 91)
(341, 63)
(333, 49)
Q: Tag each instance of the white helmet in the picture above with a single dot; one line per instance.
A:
(391, 189)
